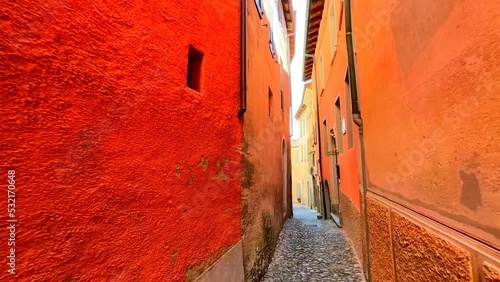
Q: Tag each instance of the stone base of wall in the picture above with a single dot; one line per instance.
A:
(351, 223)
(405, 246)
(228, 268)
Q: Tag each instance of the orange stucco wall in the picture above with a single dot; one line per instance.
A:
(121, 168)
(262, 197)
(333, 61)
(428, 83)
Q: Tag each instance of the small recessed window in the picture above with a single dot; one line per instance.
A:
(282, 102)
(270, 104)
(260, 7)
(272, 48)
(195, 60)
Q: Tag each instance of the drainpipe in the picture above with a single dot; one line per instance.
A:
(356, 114)
(291, 99)
(243, 58)
(319, 139)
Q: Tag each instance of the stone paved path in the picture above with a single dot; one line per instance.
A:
(311, 249)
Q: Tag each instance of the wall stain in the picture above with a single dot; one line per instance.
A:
(204, 163)
(471, 192)
(265, 249)
(220, 167)
(178, 169)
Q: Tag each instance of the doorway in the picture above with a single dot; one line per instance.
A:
(284, 173)
(336, 137)
(328, 204)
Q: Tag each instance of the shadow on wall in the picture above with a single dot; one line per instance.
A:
(471, 193)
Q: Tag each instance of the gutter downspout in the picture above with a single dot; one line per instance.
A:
(243, 59)
(356, 116)
(319, 138)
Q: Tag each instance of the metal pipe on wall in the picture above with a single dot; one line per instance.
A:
(356, 116)
(243, 59)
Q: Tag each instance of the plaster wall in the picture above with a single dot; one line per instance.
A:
(117, 178)
(428, 82)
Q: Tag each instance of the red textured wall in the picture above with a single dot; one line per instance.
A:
(428, 82)
(121, 169)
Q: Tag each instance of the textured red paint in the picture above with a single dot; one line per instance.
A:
(109, 143)
(428, 82)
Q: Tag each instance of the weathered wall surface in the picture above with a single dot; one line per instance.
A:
(428, 78)
(382, 265)
(264, 131)
(117, 179)
(351, 222)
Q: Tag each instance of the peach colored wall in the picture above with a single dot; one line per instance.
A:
(428, 83)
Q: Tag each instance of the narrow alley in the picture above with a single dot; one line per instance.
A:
(311, 249)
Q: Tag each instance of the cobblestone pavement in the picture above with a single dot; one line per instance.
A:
(311, 249)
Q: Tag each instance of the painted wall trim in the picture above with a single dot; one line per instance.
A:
(228, 268)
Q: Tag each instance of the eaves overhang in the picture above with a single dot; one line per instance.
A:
(313, 23)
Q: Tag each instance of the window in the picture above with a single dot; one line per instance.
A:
(315, 135)
(325, 135)
(338, 120)
(271, 43)
(333, 28)
(349, 112)
(282, 102)
(195, 59)
(270, 104)
(321, 73)
(260, 8)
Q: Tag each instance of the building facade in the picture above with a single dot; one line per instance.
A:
(125, 125)
(295, 161)
(415, 185)
(326, 66)
(306, 116)
(267, 173)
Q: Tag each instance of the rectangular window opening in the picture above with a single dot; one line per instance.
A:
(339, 137)
(333, 29)
(270, 104)
(321, 73)
(195, 60)
(325, 135)
(260, 8)
(349, 112)
(282, 102)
